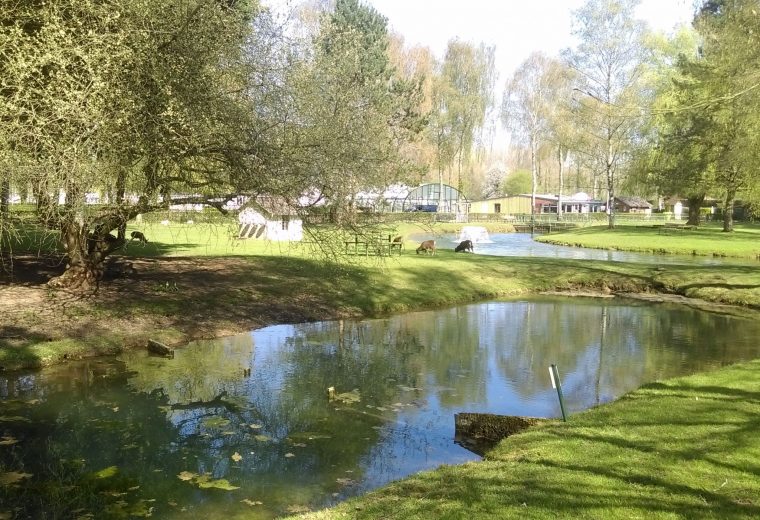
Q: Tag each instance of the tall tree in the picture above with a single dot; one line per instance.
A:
(608, 61)
(139, 94)
(461, 96)
(526, 108)
(655, 170)
(353, 112)
(469, 71)
(729, 59)
(709, 133)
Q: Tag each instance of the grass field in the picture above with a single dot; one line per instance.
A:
(744, 242)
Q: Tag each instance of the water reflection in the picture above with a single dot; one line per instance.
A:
(276, 437)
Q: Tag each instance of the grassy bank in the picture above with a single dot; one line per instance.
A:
(178, 299)
(682, 448)
(744, 242)
(197, 281)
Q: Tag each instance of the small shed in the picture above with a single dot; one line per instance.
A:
(270, 218)
(632, 205)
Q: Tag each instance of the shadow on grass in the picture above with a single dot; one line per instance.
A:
(180, 298)
(16, 346)
(136, 249)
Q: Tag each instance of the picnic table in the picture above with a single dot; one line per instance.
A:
(674, 226)
(372, 245)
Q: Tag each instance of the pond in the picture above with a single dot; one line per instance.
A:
(243, 427)
(522, 244)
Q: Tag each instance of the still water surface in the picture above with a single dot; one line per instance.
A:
(198, 435)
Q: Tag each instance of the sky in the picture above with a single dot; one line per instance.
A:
(516, 27)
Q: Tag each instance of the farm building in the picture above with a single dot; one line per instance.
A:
(436, 197)
(632, 205)
(270, 218)
(520, 204)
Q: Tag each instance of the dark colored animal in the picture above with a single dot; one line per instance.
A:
(428, 246)
(465, 246)
(138, 235)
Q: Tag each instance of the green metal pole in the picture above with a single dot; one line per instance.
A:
(558, 385)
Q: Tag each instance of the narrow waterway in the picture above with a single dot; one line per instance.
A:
(522, 244)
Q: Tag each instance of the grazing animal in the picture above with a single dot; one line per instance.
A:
(397, 243)
(428, 246)
(138, 235)
(465, 246)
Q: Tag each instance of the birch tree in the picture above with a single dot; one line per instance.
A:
(526, 109)
(608, 61)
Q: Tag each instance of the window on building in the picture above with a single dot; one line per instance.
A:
(285, 222)
(497, 208)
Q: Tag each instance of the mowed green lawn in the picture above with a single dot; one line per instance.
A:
(708, 240)
(684, 448)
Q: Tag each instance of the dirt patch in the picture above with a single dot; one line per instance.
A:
(175, 299)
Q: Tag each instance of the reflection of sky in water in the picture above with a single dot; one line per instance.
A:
(413, 373)
(521, 244)
(608, 348)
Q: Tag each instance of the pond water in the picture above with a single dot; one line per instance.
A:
(522, 244)
(201, 436)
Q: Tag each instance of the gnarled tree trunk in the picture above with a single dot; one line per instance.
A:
(728, 211)
(5, 194)
(695, 204)
(87, 252)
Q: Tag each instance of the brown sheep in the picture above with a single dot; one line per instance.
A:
(428, 246)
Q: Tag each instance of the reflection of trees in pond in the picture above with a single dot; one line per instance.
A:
(154, 417)
(99, 422)
(604, 349)
(202, 371)
(81, 420)
(437, 349)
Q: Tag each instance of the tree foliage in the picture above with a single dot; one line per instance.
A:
(608, 62)
(136, 97)
(709, 135)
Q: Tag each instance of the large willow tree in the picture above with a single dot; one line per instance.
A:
(141, 98)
